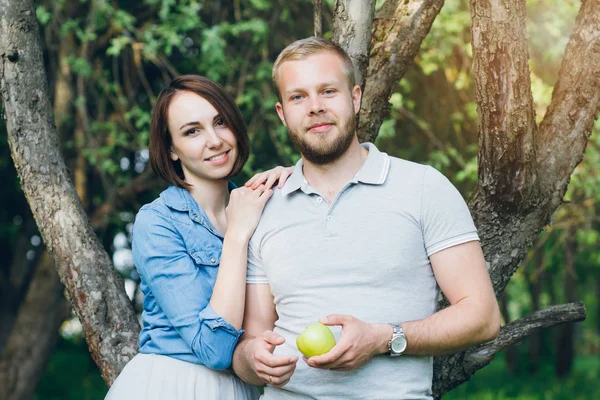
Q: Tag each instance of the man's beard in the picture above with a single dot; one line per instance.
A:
(325, 152)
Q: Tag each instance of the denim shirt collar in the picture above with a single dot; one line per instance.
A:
(373, 172)
(180, 199)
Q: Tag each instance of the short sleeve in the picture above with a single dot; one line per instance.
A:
(256, 271)
(445, 217)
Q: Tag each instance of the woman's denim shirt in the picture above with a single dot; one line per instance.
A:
(177, 252)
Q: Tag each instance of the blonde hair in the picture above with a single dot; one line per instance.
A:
(304, 48)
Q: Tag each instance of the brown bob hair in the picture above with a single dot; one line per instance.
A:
(160, 137)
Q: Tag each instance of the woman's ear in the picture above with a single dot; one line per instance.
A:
(174, 156)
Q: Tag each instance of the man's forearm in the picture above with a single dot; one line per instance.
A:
(452, 329)
(241, 363)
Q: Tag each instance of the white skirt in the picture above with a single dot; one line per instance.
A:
(158, 377)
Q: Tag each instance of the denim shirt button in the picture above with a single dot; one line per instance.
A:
(212, 260)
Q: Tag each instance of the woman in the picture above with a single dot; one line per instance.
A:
(190, 248)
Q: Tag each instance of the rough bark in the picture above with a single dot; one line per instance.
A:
(94, 287)
(537, 164)
(509, 222)
(318, 17)
(34, 333)
(352, 26)
(398, 31)
(504, 101)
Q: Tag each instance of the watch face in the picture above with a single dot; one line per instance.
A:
(398, 344)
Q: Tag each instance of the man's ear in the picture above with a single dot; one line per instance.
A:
(356, 97)
(279, 109)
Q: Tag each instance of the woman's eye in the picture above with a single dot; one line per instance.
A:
(220, 122)
(191, 131)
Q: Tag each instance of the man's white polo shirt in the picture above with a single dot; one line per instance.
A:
(364, 254)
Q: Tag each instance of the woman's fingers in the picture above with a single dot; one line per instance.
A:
(271, 179)
(268, 178)
(285, 174)
(277, 376)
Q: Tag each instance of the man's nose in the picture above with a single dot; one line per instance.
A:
(316, 105)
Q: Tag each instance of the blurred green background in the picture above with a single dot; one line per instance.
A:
(111, 59)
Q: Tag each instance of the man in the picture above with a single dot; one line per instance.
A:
(361, 241)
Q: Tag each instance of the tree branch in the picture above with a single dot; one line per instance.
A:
(398, 31)
(318, 5)
(352, 26)
(452, 370)
(569, 121)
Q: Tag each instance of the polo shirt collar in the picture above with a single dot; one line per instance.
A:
(375, 169)
(373, 172)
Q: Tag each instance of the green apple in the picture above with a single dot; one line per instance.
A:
(316, 339)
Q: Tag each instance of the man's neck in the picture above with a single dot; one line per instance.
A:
(329, 179)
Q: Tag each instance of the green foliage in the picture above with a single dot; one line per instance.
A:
(71, 374)
(495, 382)
(42, 14)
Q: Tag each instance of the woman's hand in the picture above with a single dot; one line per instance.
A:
(268, 178)
(244, 210)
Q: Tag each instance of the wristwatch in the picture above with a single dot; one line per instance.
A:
(397, 343)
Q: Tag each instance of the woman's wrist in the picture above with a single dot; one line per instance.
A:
(237, 236)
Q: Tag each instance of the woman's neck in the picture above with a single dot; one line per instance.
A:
(211, 195)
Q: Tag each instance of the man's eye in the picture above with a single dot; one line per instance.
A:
(296, 97)
(329, 91)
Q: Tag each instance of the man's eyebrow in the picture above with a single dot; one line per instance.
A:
(289, 91)
(320, 85)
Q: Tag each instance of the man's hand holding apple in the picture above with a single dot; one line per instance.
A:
(271, 369)
(359, 342)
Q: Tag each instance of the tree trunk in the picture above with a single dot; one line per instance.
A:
(352, 30)
(94, 287)
(398, 31)
(523, 171)
(34, 333)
